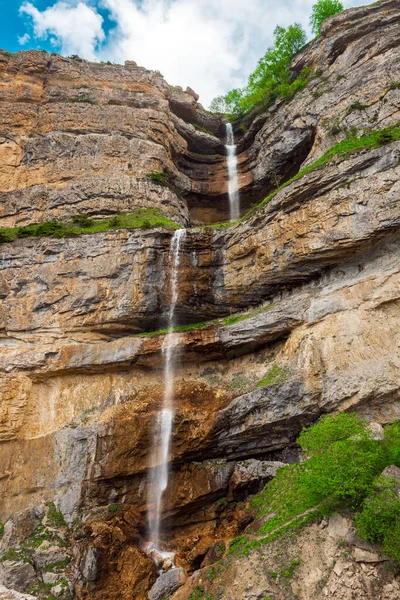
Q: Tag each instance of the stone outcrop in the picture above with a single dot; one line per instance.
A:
(322, 561)
(296, 305)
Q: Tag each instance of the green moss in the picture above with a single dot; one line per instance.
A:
(1, 529)
(141, 218)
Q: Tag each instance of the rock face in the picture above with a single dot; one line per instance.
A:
(319, 562)
(296, 305)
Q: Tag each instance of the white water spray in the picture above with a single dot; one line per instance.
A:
(233, 185)
(159, 473)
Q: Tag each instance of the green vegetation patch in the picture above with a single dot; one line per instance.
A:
(141, 218)
(231, 320)
(343, 149)
(321, 11)
(203, 129)
(113, 509)
(55, 517)
(276, 374)
(341, 470)
(158, 177)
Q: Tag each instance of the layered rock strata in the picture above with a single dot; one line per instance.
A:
(296, 306)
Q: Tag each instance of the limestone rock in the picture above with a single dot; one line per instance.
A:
(167, 584)
(367, 557)
(6, 594)
(17, 575)
(19, 527)
(90, 565)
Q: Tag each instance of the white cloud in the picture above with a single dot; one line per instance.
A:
(23, 39)
(74, 27)
(210, 45)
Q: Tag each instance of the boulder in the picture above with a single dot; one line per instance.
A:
(367, 557)
(89, 564)
(167, 584)
(17, 575)
(20, 527)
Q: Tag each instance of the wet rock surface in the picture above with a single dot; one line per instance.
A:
(297, 307)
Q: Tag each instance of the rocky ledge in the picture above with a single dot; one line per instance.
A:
(290, 313)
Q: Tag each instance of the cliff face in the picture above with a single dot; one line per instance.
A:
(314, 274)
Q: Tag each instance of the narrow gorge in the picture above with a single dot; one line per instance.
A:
(181, 294)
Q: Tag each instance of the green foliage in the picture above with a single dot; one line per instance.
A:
(379, 520)
(272, 77)
(158, 177)
(55, 516)
(159, 74)
(199, 593)
(144, 218)
(276, 374)
(322, 10)
(344, 471)
(288, 572)
(344, 462)
(330, 429)
(57, 566)
(5, 237)
(203, 129)
(343, 149)
(391, 444)
(115, 221)
(113, 509)
(1, 529)
(83, 221)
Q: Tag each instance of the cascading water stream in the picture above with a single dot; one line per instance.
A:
(159, 474)
(233, 184)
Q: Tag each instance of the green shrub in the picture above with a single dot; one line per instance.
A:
(55, 516)
(50, 228)
(114, 508)
(159, 177)
(5, 237)
(321, 11)
(379, 520)
(28, 231)
(114, 221)
(391, 444)
(1, 529)
(384, 137)
(83, 221)
(271, 78)
(330, 429)
(344, 471)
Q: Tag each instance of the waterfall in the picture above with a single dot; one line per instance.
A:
(233, 185)
(159, 473)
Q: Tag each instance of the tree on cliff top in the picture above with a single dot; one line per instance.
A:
(321, 11)
(271, 76)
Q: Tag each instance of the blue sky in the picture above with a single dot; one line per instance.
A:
(210, 45)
